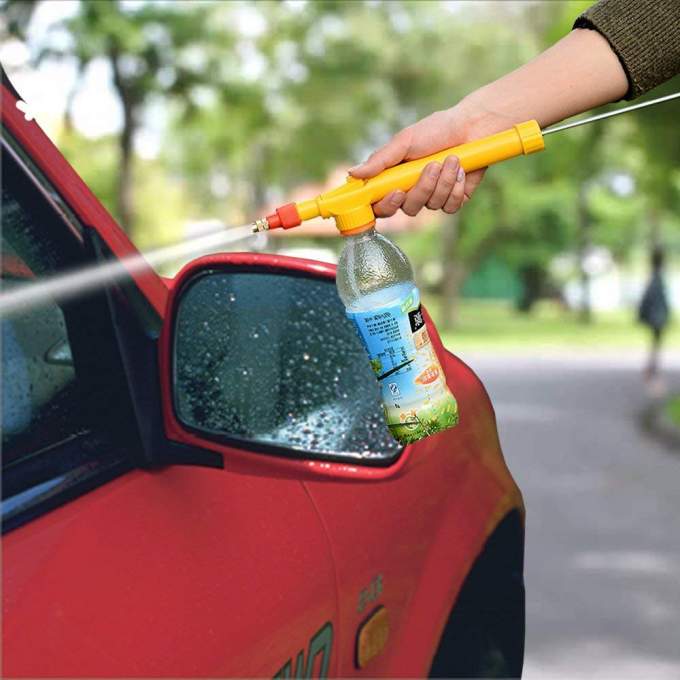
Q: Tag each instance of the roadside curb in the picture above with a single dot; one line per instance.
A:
(656, 422)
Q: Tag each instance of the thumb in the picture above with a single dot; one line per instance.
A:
(385, 157)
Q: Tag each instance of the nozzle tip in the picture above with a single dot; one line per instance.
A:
(260, 225)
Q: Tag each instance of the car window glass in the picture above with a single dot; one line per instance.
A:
(273, 359)
(38, 376)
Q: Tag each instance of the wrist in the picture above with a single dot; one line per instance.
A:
(485, 113)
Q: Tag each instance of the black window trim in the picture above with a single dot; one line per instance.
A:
(41, 184)
(62, 482)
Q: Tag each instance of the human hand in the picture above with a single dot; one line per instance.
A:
(441, 186)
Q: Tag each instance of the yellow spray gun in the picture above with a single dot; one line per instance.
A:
(351, 204)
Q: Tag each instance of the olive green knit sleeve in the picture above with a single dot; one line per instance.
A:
(644, 34)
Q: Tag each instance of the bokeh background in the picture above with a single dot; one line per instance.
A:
(190, 116)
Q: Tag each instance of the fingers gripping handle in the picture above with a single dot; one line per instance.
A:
(523, 138)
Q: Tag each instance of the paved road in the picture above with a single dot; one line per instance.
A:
(603, 515)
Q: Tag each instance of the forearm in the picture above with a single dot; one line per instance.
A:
(582, 71)
(576, 74)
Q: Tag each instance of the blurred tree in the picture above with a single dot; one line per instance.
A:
(335, 80)
(309, 93)
(167, 50)
(658, 176)
(264, 97)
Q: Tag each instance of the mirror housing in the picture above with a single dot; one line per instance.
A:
(238, 449)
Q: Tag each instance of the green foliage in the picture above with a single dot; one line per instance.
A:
(154, 48)
(163, 203)
(672, 409)
(96, 161)
(264, 97)
(486, 325)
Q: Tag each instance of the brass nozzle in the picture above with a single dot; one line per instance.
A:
(260, 225)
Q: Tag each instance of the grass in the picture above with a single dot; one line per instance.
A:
(672, 408)
(496, 326)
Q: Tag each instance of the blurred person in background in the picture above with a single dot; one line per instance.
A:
(617, 49)
(654, 312)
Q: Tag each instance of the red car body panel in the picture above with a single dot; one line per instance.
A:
(186, 571)
(183, 572)
(426, 527)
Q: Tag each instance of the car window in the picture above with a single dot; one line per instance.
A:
(68, 423)
(39, 379)
(272, 358)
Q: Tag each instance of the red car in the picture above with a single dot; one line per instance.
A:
(198, 482)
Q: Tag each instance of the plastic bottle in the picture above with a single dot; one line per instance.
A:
(375, 282)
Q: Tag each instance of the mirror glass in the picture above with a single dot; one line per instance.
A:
(272, 358)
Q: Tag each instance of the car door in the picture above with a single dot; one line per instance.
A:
(115, 562)
(405, 524)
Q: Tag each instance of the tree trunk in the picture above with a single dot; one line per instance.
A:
(453, 273)
(124, 189)
(533, 278)
(68, 109)
(585, 245)
(654, 229)
(125, 195)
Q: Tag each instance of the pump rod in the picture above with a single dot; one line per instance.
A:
(609, 114)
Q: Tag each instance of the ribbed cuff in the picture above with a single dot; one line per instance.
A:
(644, 35)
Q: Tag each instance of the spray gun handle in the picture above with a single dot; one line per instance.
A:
(350, 204)
(523, 138)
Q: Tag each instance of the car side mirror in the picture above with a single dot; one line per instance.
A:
(258, 355)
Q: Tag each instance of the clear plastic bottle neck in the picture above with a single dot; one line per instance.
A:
(362, 235)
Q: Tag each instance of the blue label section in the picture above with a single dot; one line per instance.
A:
(413, 388)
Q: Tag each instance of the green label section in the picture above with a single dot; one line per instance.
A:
(415, 397)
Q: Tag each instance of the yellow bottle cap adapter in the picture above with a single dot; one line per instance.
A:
(350, 204)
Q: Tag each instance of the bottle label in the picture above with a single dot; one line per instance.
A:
(415, 397)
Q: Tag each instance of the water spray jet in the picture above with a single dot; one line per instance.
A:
(62, 287)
